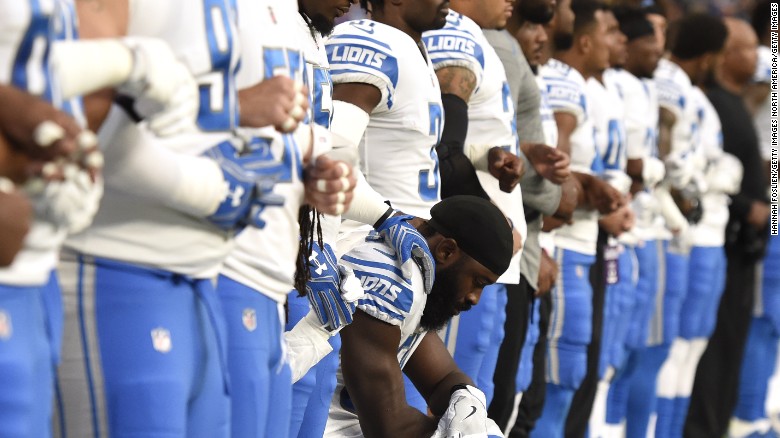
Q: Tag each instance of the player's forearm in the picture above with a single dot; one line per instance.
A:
(367, 205)
(439, 399)
(188, 183)
(102, 63)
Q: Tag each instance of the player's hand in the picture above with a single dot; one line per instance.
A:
(333, 290)
(34, 127)
(466, 415)
(619, 221)
(680, 169)
(600, 195)
(653, 171)
(548, 273)
(549, 162)
(70, 202)
(15, 221)
(411, 246)
(165, 92)
(506, 167)
(329, 185)
(250, 175)
(278, 101)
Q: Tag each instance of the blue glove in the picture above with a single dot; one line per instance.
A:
(410, 245)
(333, 290)
(250, 177)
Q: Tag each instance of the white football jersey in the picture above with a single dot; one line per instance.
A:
(640, 104)
(491, 109)
(606, 110)
(566, 92)
(129, 228)
(389, 298)
(29, 30)
(398, 149)
(273, 41)
(710, 231)
(762, 118)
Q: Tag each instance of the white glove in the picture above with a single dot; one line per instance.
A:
(653, 171)
(724, 175)
(466, 417)
(71, 203)
(679, 170)
(165, 91)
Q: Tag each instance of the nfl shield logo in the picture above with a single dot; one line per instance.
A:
(161, 340)
(249, 318)
(6, 329)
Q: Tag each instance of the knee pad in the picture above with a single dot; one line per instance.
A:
(567, 364)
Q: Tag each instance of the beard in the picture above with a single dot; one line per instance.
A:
(322, 25)
(442, 303)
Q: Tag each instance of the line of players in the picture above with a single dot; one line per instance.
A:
(412, 106)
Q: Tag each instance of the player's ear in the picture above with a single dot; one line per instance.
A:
(446, 251)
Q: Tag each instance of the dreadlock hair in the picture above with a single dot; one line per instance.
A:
(309, 221)
(697, 35)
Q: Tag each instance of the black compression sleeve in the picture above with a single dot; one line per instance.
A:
(458, 175)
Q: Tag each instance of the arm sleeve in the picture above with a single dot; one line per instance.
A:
(307, 344)
(458, 174)
(141, 166)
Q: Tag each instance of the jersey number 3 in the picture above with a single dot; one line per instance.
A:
(429, 178)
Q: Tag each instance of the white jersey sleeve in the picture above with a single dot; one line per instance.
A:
(460, 43)
(397, 151)
(674, 94)
(357, 53)
(566, 92)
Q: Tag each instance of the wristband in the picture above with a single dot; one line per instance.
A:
(389, 212)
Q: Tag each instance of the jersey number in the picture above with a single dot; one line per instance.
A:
(218, 98)
(429, 178)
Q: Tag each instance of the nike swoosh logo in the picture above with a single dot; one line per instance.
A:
(387, 254)
(473, 411)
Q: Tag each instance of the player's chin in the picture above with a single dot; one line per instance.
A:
(439, 22)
